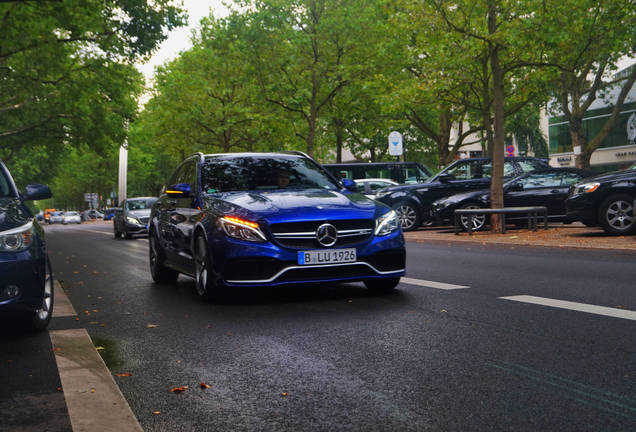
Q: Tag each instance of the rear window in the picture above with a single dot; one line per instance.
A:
(528, 165)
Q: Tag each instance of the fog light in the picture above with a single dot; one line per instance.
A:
(12, 291)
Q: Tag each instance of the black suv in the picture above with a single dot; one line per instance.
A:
(413, 202)
(26, 281)
(607, 200)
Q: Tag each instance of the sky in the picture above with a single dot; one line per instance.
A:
(179, 39)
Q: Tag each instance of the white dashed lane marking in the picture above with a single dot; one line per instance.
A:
(431, 284)
(579, 307)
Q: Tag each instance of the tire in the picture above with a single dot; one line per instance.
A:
(409, 215)
(39, 319)
(160, 273)
(382, 286)
(479, 221)
(616, 215)
(208, 285)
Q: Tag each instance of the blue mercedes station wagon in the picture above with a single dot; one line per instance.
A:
(26, 281)
(269, 219)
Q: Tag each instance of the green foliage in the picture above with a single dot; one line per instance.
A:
(65, 76)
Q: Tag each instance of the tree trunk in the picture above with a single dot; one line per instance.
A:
(496, 181)
(577, 134)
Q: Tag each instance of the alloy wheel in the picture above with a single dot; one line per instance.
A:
(45, 309)
(620, 215)
(201, 266)
(478, 220)
(407, 215)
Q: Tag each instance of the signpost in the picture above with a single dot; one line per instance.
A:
(91, 199)
(395, 144)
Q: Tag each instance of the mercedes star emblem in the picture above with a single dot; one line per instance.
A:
(326, 234)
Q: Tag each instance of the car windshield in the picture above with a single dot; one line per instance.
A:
(223, 174)
(141, 204)
(72, 213)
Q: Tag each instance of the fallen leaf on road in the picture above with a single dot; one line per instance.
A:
(56, 349)
(75, 272)
(179, 389)
(156, 412)
(284, 394)
(100, 348)
(204, 385)
(179, 361)
(620, 307)
(444, 310)
(92, 390)
(93, 322)
(124, 374)
(59, 389)
(152, 326)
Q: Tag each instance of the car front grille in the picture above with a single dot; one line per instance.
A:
(302, 235)
(144, 220)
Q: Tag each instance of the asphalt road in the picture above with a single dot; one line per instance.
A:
(337, 358)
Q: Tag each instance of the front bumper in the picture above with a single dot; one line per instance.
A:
(582, 208)
(25, 271)
(135, 228)
(267, 264)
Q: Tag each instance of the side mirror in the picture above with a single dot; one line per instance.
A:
(445, 178)
(37, 192)
(516, 187)
(179, 190)
(349, 185)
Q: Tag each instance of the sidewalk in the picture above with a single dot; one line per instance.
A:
(574, 235)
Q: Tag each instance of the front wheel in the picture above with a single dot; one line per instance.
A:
(382, 286)
(616, 215)
(208, 285)
(478, 220)
(41, 317)
(160, 273)
(410, 218)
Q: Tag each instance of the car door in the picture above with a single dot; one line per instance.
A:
(539, 189)
(165, 207)
(182, 217)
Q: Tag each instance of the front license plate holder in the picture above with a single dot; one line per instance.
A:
(327, 256)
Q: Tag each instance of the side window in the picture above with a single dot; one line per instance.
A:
(509, 169)
(531, 165)
(461, 171)
(569, 178)
(541, 180)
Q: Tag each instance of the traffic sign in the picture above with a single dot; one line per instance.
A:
(395, 144)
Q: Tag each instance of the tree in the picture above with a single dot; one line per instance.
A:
(584, 56)
(65, 72)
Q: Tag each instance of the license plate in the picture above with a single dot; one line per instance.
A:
(318, 257)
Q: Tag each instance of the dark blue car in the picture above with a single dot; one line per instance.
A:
(26, 280)
(267, 219)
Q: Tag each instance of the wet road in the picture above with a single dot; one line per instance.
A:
(337, 358)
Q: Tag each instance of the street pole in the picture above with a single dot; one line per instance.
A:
(123, 173)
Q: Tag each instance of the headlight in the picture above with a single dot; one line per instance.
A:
(17, 239)
(241, 229)
(132, 220)
(387, 223)
(585, 188)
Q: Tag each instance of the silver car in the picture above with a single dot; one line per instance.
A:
(72, 217)
(56, 217)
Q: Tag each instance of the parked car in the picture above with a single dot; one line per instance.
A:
(545, 187)
(56, 217)
(26, 280)
(268, 219)
(369, 187)
(92, 215)
(413, 202)
(132, 217)
(400, 172)
(607, 200)
(71, 217)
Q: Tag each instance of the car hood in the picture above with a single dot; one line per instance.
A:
(283, 206)
(612, 176)
(139, 213)
(12, 214)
